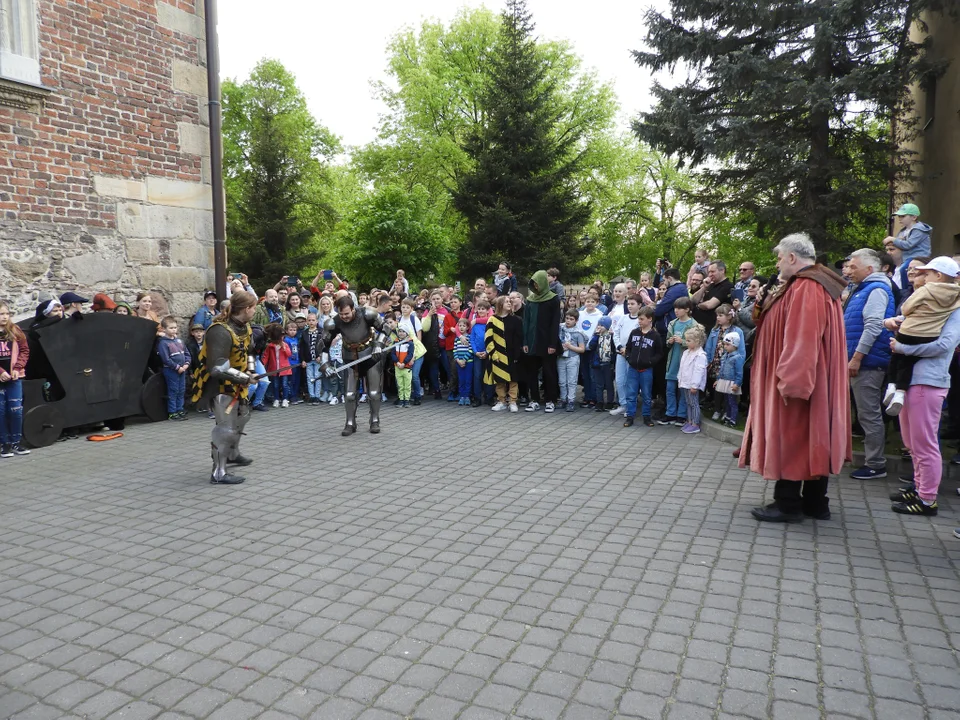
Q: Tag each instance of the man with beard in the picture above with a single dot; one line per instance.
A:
(798, 429)
(270, 310)
(363, 338)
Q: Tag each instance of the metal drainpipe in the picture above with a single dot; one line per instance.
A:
(216, 151)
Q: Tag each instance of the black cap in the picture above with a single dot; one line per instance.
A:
(208, 293)
(72, 297)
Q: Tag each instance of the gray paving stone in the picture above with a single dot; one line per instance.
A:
(430, 593)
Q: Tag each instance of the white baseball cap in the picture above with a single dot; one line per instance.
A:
(943, 264)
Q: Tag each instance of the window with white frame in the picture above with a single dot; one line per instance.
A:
(19, 49)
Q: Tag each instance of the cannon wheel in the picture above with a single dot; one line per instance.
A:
(42, 425)
(153, 398)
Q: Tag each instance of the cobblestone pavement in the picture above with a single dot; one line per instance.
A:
(461, 564)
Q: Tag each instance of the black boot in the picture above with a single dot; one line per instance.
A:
(240, 461)
(374, 426)
(772, 513)
(348, 429)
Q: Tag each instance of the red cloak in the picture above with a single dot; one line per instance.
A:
(798, 427)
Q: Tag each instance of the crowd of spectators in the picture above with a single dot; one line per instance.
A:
(658, 349)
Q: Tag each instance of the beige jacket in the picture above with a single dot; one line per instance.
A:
(927, 310)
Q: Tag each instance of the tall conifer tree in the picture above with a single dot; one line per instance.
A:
(788, 106)
(520, 200)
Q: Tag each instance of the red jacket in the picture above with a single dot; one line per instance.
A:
(276, 357)
(449, 328)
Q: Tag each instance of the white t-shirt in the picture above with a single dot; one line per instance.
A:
(412, 324)
(616, 315)
(588, 322)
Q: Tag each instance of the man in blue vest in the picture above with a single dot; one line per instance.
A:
(868, 350)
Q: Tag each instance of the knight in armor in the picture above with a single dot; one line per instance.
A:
(362, 339)
(223, 378)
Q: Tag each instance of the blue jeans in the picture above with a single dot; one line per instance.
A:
(11, 412)
(602, 376)
(417, 391)
(639, 382)
(479, 389)
(313, 379)
(567, 371)
(293, 384)
(621, 379)
(279, 388)
(676, 407)
(176, 387)
(262, 385)
(465, 378)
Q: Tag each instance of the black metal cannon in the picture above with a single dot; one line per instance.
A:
(100, 366)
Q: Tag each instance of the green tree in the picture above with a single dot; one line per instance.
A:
(394, 227)
(437, 102)
(520, 199)
(773, 105)
(276, 175)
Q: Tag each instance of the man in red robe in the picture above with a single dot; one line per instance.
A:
(798, 429)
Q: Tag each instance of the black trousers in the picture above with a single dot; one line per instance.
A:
(900, 371)
(809, 496)
(533, 364)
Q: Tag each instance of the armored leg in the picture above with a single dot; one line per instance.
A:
(350, 402)
(374, 386)
(231, 417)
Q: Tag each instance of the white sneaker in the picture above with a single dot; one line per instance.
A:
(619, 410)
(888, 395)
(334, 400)
(514, 408)
(363, 398)
(896, 403)
(285, 403)
(548, 408)
(532, 407)
(499, 407)
(716, 417)
(276, 403)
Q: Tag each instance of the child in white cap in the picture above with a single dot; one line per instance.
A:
(730, 377)
(923, 316)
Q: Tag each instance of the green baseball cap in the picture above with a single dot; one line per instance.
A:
(908, 209)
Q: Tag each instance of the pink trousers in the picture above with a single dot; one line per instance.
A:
(920, 426)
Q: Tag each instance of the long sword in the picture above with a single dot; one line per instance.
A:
(364, 359)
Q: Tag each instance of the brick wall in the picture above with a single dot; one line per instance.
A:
(105, 187)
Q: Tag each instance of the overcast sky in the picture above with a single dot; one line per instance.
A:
(336, 49)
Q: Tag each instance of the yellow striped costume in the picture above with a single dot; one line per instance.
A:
(239, 349)
(498, 371)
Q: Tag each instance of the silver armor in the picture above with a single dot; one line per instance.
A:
(362, 338)
(231, 415)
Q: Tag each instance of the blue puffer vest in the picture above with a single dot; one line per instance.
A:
(879, 355)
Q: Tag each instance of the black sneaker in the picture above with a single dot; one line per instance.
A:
(915, 507)
(6, 450)
(666, 420)
(648, 422)
(19, 449)
(904, 496)
(416, 401)
(261, 408)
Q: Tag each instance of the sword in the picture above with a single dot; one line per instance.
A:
(364, 359)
